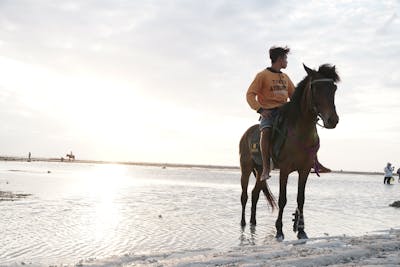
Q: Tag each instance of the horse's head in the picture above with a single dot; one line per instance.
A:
(320, 94)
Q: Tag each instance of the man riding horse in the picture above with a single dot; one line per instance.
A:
(271, 89)
(291, 138)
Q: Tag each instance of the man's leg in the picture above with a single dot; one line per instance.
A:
(264, 145)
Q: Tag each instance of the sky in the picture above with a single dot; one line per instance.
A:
(165, 81)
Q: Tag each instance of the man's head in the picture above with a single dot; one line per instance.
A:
(278, 56)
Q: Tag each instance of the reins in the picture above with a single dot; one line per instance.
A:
(306, 104)
(314, 106)
(309, 97)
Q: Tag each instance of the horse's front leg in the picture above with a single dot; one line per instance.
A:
(283, 178)
(298, 225)
(246, 169)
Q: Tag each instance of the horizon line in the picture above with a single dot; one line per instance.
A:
(156, 164)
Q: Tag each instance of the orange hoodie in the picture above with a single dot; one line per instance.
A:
(269, 90)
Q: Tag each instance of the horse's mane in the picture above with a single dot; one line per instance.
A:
(293, 107)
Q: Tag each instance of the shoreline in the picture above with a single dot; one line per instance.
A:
(380, 248)
(157, 164)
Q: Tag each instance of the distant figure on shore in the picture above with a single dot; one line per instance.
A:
(388, 173)
(70, 156)
(29, 157)
(398, 173)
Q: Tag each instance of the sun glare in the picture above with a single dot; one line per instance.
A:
(104, 183)
(105, 179)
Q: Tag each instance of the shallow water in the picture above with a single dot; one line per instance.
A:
(79, 211)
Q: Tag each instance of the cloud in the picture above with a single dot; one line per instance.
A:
(179, 58)
(385, 28)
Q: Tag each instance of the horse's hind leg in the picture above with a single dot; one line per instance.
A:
(299, 218)
(283, 178)
(246, 169)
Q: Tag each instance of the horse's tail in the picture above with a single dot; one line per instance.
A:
(270, 197)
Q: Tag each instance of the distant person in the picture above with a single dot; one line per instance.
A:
(398, 173)
(388, 173)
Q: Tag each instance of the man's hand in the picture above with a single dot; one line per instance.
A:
(266, 113)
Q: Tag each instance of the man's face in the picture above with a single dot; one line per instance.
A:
(283, 61)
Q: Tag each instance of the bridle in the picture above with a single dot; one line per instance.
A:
(314, 106)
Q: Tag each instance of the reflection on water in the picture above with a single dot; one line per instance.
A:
(79, 211)
(248, 239)
(103, 184)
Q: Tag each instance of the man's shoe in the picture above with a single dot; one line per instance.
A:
(323, 169)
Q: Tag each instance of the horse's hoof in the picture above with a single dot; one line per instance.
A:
(279, 237)
(302, 235)
(253, 222)
(243, 223)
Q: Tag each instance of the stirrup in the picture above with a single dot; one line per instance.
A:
(268, 177)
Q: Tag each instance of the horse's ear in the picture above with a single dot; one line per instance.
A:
(308, 70)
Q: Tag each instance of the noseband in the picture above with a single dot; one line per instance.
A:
(321, 80)
(314, 106)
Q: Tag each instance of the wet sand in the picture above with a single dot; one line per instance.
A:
(381, 249)
(10, 196)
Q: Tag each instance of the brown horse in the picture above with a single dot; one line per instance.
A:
(295, 143)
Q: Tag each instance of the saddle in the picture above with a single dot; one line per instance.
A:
(278, 138)
(255, 148)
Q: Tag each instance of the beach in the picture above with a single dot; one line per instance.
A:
(89, 214)
(370, 250)
(381, 249)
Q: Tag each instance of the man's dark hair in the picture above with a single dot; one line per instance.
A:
(276, 52)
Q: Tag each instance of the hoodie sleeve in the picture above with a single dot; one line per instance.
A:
(254, 89)
(291, 87)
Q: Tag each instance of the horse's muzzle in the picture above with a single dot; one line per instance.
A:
(331, 122)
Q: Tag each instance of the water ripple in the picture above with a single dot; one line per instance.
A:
(148, 209)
